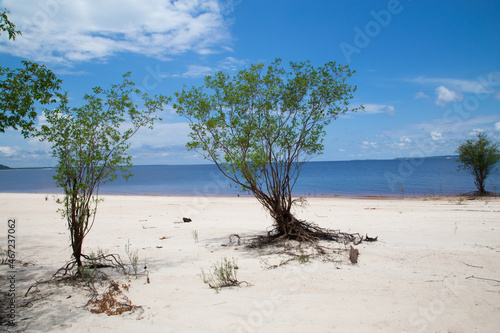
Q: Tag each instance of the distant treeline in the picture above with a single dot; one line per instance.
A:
(428, 157)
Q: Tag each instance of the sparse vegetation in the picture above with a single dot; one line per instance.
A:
(194, 233)
(222, 274)
(303, 257)
(401, 189)
(133, 257)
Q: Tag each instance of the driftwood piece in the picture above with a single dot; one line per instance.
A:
(353, 255)
(370, 239)
(231, 240)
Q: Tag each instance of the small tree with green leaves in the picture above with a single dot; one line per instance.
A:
(478, 157)
(260, 127)
(90, 144)
(21, 89)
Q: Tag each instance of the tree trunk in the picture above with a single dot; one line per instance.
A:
(77, 251)
(480, 185)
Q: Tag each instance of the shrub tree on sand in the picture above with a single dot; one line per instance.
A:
(260, 127)
(478, 157)
(90, 144)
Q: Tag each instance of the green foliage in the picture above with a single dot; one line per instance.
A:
(7, 25)
(22, 89)
(478, 157)
(260, 126)
(222, 274)
(303, 257)
(90, 144)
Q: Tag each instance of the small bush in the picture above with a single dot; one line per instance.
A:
(133, 257)
(222, 274)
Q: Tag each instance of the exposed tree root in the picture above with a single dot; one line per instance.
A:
(87, 275)
(111, 302)
(307, 232)
(302, 235)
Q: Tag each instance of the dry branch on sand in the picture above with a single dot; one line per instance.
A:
(89, 276)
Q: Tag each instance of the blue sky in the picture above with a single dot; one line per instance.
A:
(428, 72)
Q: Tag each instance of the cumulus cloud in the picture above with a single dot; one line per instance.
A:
(437, 136)
(379, 108)
(420, 94)
(445, 96)
(7, 151)
(497, 126)
(64, 32)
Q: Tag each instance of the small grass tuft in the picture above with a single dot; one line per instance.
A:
(222, 274)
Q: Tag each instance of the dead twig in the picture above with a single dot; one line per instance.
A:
(480, 278)
(471, 265)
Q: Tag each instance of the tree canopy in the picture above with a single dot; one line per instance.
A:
(23, 89)
(260, 126)
(478, 157)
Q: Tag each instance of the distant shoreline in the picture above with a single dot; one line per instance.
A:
(469, 196)
(204, 164)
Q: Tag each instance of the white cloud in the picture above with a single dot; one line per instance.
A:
(420, 94)
(404, 143)
(163, 134)
(198, 71)
(437, 136)
(497, 126)
(63, 31)
(379, 108)
(7, 151)
(476, 131)
(369, 145)
(445, 96)
(483, 85)
(405, 139)
(229, 64)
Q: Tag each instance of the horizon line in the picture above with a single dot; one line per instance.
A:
(193, 164)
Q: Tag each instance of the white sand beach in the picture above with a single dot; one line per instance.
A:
(434, 268)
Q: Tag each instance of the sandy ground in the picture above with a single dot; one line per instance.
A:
(435, 267)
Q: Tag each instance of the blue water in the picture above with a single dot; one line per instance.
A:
(413, 178)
